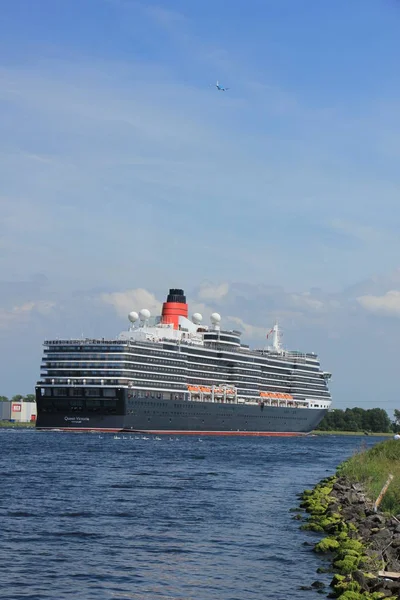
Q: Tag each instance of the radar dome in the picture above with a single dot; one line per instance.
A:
(144, 314)
(215, 318)
(197, 318)
(133, 316)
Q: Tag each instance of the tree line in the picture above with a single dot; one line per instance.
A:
(374, 420)
(18, 398)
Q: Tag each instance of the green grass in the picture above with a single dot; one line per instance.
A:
(372, 468)
(16, 424)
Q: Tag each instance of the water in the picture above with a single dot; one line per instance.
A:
(85, 516)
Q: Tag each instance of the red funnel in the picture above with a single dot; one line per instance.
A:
(174, 307)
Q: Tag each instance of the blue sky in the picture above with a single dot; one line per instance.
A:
(125, 173)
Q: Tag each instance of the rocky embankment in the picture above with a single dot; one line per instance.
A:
(359, 542)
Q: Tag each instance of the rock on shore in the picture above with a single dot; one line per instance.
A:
(360, 542)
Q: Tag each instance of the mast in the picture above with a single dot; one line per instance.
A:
(276, 337)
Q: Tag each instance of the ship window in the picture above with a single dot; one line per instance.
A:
(75, 392)
(59, 392)
(109, 392)
(91, 392)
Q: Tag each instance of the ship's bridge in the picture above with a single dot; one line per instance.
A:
(219, 338)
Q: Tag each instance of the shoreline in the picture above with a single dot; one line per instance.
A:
(16, 424)
(361, 546)
(360, 433)
(31, 425)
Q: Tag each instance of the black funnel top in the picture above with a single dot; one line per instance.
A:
(176, 295)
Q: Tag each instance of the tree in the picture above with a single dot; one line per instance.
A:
(379, 420)
(357, 419)
(17, 398)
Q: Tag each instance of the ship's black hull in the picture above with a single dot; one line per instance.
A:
(202, 418)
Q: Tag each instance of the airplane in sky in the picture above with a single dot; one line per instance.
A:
(220, 88)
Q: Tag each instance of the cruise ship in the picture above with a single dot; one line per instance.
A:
(172, 374)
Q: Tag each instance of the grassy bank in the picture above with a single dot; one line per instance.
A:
(360, 543)
(16, 424)
(372, 467)
(361, 433)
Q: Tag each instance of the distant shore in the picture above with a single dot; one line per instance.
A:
(20, 425)
(31, 425)
(363, 433)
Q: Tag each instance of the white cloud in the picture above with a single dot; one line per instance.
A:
(253, 315)
(307, 302)
(387, 305)
(249, 331)
(22, 313)
(208, 291)
(125, 302)
(200, 307)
